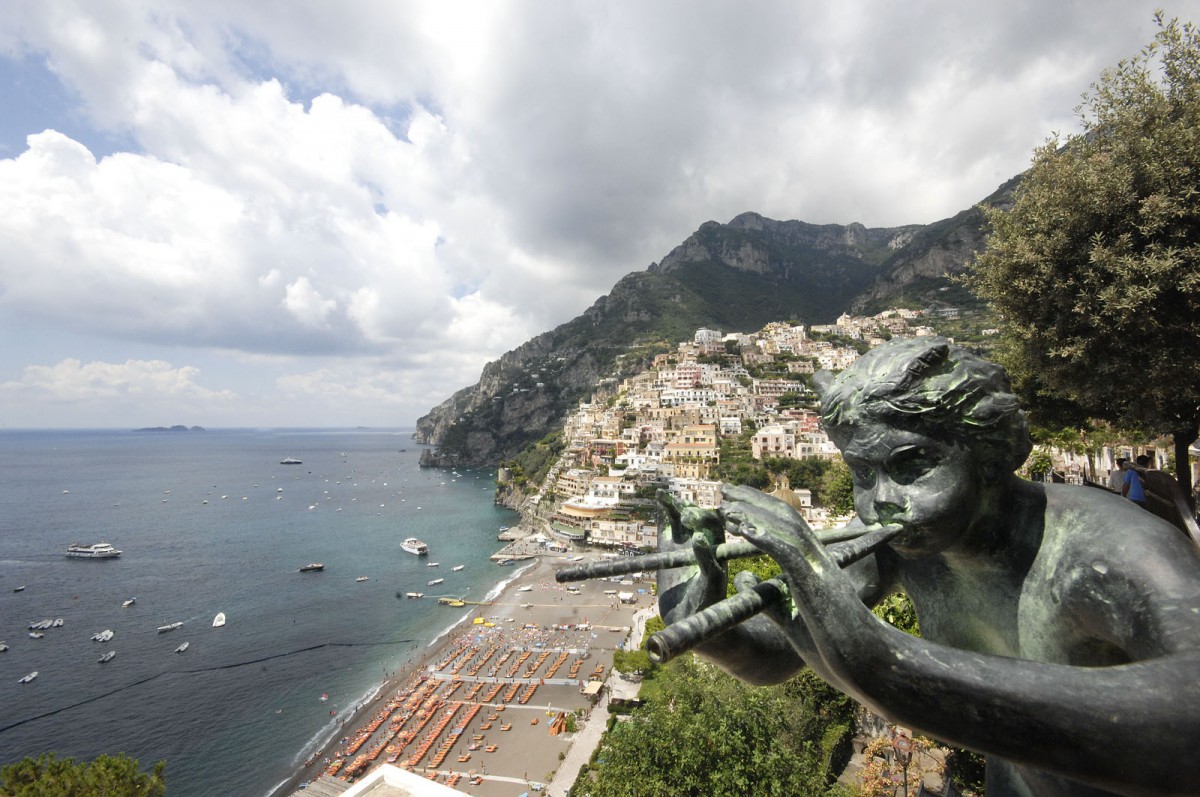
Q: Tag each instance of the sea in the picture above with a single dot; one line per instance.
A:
(211, 521)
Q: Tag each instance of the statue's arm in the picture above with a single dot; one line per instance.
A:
(1127, 727)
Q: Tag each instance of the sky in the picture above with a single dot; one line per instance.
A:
(290, 213)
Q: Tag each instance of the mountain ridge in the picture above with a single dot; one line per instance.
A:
(736, 276)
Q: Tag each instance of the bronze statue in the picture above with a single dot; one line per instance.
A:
(1060, 625)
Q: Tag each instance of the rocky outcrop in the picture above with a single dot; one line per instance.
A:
(734, 277)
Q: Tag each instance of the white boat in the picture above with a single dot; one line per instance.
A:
(97, 550)
(415, 594)
(432, 564)
(36, 635)
(28, 678)
(182, 647)
(290, 461)
(107, 656)
(58, 623)
(127, 603)
(363, 578)
(219, 620)
(456, 568)
(414, 546)
(3, 647)
(169, 626)
(435, 581)
(41, 625)
(526, 588)
(103, 636)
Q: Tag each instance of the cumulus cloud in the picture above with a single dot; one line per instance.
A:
(387, 196)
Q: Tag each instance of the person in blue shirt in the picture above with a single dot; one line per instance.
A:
(1131, 487)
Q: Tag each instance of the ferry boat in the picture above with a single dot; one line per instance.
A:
(415, 546)
(98, 550)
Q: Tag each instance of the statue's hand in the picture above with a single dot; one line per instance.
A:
(683, 591)
(822, 596)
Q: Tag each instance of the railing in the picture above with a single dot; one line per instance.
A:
(1164, 498)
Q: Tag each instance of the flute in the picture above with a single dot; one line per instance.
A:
(720, 617)
(664, 560)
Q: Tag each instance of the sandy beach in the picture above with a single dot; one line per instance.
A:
(484, 709)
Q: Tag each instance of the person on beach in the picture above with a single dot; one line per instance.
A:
(1053, 638)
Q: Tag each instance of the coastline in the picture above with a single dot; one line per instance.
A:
(474, 673)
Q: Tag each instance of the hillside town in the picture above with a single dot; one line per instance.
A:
(663, 427)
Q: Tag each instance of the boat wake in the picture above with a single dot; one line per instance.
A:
(215, 668)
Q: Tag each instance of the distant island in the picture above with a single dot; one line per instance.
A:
(179, 428)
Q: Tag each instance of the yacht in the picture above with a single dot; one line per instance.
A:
(415, 546)
(107, 656)
(313, 567)
(97, 550)
(103, 636)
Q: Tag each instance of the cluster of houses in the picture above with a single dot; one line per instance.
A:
(663, 427)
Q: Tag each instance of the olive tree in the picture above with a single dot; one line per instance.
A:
(1095, 268)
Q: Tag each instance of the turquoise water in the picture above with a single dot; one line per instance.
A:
(211, 522)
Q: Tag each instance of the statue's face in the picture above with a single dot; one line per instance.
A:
(931, 487)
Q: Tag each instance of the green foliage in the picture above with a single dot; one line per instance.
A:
(837, 488)
(897, 610)
(710, 734)
(534, 461)
(1096, 268)
(1039, 464)
(110, 776)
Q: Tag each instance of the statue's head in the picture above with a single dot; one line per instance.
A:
(929, 432)
(930, 386)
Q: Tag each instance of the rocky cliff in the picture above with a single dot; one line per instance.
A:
(734, 277)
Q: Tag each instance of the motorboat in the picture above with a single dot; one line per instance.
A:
(3, 647)
(41, 625)
(290, 461)
(432, 564)
(435, 582)
(414, 546)
(125, 604)
(452, 601)
(97, 550)
(19, 589)
(363, 578)
(414, 594)
(28, 678)
(36, 635)
(526, 588)
(103, 636)
(182, 647)
(456, 568)
(58, 623)
(312, 567)
(107, 657)
(219, 620)
(169, 626)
